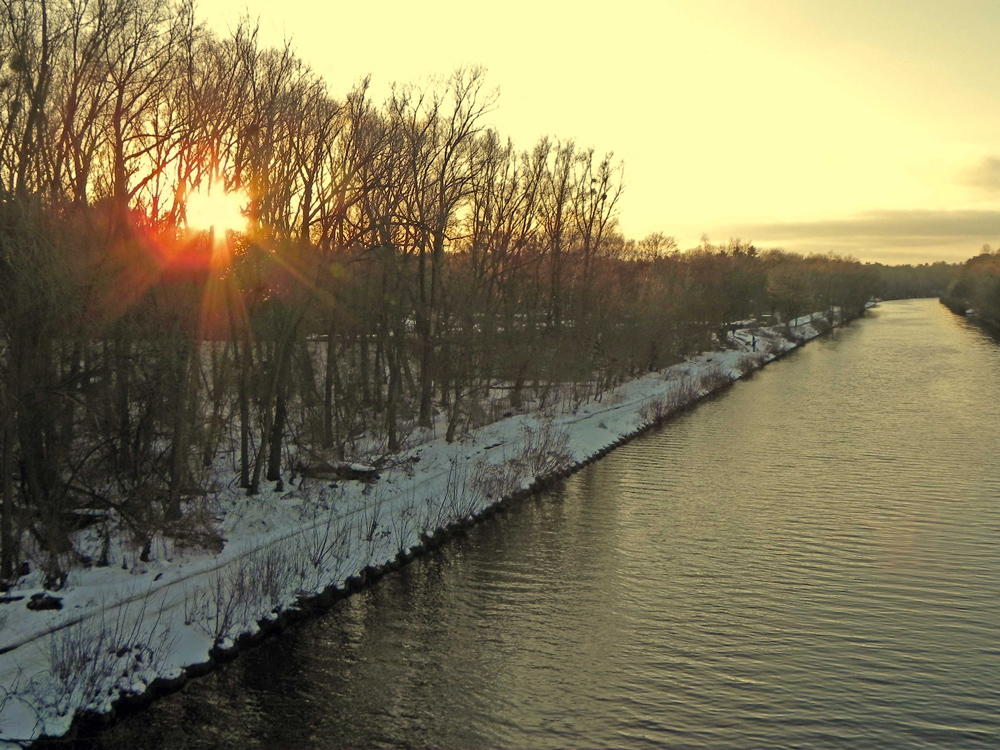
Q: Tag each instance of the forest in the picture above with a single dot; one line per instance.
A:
(397, 270)
(975, 288)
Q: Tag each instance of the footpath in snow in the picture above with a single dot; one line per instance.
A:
(130, 629)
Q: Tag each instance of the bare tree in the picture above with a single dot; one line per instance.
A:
(555, 209)
(595, 198)
(440, 129)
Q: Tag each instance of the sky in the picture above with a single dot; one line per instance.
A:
(869, 128)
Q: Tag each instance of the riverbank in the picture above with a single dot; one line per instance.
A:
(962, 308)
(140, 628)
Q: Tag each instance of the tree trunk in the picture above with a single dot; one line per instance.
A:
(426, 386)
(274, 421)
(8, 545)
(378, 376)
(395, 388)
(122, 352)
(328, 389)
(220, 375)
(280, 415)
(178, 459)
(366, 394)
(454, 413)
(244, 397)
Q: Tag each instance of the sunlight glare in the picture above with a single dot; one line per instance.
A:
(211, 207)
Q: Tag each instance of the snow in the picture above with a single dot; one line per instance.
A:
(123, 626)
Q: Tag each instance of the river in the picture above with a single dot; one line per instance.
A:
(810, 560)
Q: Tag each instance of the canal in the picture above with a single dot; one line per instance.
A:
(810, 560)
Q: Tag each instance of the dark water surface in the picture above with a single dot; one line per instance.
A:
(812, 560)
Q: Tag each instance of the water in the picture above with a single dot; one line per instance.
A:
(811, 560)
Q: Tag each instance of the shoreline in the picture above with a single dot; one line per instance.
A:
(574, 439)
(962, 309)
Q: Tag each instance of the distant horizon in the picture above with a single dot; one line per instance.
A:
(888, 237)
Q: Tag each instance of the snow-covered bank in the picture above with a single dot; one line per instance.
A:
(123, 627)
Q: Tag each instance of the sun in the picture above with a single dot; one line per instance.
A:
(211, 207)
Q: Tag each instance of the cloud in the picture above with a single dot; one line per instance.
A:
(888, 227)
(985, 175)
(917, 234)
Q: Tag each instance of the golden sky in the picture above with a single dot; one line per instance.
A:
(867, 127)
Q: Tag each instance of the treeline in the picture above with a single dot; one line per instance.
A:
(404, 268)
(976, 287)
(922, 280)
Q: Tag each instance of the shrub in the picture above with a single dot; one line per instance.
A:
(274, 572)
(681, 393)
(656, 410)
(822, 325)
(92, 661)
(372, 529)
(746, 364)
(214, 610)
(403, 523)
(713, 379)
(327, 547)
(241, 592)
(463, 495)
(545, 451)
(496, 481)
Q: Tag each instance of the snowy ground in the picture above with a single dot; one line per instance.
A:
(123, 626)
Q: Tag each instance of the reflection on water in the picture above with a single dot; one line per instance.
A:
(811, 561)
